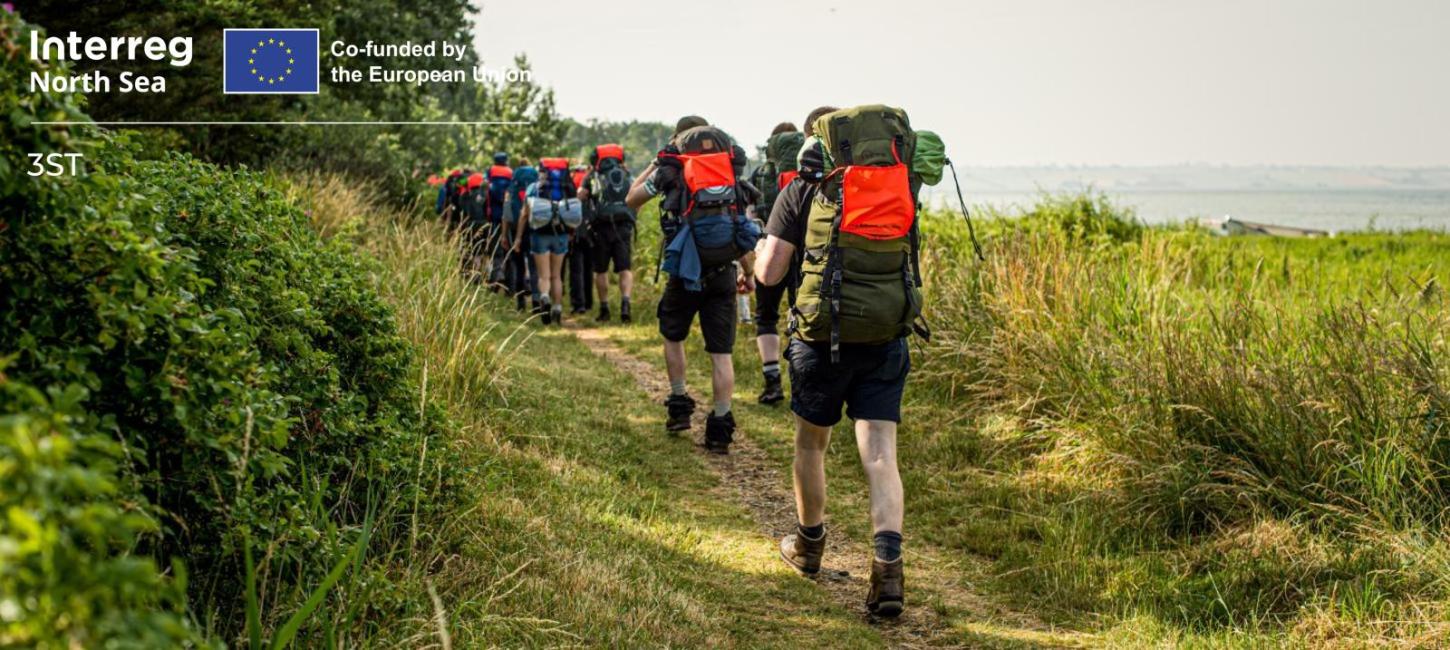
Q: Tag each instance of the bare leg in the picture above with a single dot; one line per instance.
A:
(541, 262)
(769, 345)
(722, 377)
(626, 284)
(810, 472)
(555, 274)
(675, 360)
(601, 287)
(876, 442)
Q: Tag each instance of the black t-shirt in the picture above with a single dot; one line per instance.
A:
(791, 210)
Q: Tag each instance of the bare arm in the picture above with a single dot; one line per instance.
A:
(638, 194)
(519, 227)
(774, 260)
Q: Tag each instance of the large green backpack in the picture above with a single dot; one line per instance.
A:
(778, 169)
(859, 279)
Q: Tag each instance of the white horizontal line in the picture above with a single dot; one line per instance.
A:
(275, 123)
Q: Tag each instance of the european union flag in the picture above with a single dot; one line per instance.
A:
(270, 61)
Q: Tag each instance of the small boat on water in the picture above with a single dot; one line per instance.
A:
(1230, 226)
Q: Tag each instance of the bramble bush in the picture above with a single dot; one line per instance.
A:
(189, 375)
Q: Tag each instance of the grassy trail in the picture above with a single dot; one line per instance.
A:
(945, 611)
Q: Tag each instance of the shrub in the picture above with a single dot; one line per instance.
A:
(190, 374)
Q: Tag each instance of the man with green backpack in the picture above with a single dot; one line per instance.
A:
(847, 228)
(772, 176)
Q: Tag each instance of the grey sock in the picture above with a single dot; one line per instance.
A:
(888, 546)
(721, 408)
(677, 387)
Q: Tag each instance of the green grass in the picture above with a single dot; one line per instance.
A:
(1153, 435)
(1165, 436)
(586, 525)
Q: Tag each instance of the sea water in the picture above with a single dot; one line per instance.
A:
(1334, 210)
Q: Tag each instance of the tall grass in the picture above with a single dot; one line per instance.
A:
(1261, 422)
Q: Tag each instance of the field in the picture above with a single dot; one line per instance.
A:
(253, 408)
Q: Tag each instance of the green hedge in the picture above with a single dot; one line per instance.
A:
(187, 371)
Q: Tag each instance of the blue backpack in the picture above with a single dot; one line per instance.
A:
(555, 181)
(523, 177)
(500, 179)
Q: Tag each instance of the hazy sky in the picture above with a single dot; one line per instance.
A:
(1336, 82)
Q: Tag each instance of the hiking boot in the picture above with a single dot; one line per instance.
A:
(557, 313)
(773, 392)
(719, 433)
(624, 315)
(680, 407)
(802, 552)
(885, 599)
(579, 310)
(603, 316)
(543, 309)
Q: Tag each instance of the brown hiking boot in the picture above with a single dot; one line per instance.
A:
(802, 552)
(884, 599)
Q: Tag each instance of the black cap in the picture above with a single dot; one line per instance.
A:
(689, 122)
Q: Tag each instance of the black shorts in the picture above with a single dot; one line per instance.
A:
(868, 380)
(767, 307)
(613, 242)
(715, 304)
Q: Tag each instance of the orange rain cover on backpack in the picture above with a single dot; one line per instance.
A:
(608, 151)
(500, 171)
(707, 171)
(554, 163)
(786, 177)
(876, 201)
(474, 180)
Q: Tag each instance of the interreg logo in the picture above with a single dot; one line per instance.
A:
(270, 61)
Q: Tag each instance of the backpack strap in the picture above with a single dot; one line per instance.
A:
(966, 215)
(793, 274)
(835, 272)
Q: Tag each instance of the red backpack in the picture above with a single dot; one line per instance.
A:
(707, 158)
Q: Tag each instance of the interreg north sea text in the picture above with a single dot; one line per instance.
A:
(73, 47)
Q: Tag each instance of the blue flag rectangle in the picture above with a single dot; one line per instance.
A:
(270, 61)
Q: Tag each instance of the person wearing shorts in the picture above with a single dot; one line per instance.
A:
(547, 246)
(714, 303)
(613, 246)
(867, 382)
(611, 233)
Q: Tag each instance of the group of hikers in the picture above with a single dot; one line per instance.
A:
(825, 225)
(524, 227)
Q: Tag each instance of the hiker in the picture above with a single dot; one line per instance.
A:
(611, 226)
(854, 296)
(773, 175)
(445, 195)
(475, 227)
(551, 213)
(705, 230)
(579, 262)
(500, 178)
(520, 274)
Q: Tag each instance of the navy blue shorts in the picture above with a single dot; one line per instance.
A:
(868, 381)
